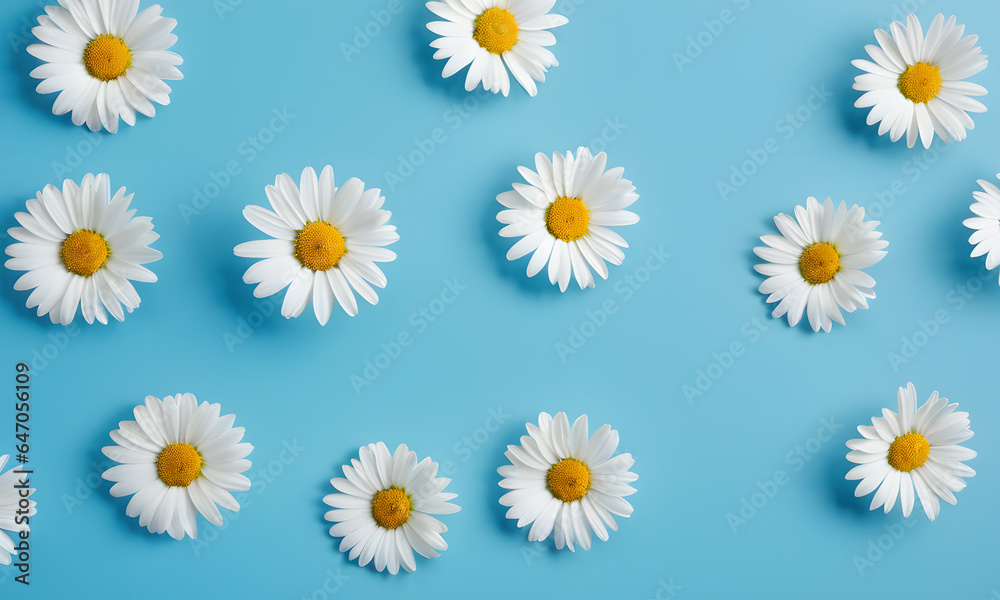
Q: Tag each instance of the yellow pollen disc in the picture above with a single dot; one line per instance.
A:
(319, 246)
(107, 57)
(819, 262)
(567, 218)
(920, 82)
(391, 507)
(84, 252)
(178, 465)
(908, 452)
(496, 30)
(568, 479)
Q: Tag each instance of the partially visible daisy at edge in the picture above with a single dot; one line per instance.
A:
(489, 34)
(105, 60)
(916, 84)
(16, 508)
(912, 449)
(324, 244)
(383, 505)
(986, 223)
(82, 248)
(566, 483)
(816, 264)
(565, 216)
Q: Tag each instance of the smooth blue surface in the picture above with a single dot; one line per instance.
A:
(496, 346)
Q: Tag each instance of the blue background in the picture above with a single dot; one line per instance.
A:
(679, 131)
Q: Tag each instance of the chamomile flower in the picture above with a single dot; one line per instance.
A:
(16, 508)
(916, 86)
(816, 264)
(105, 60)
(565, 214)
(326, 243)
(81, 247)
(986, 239)
(563, 481)
(912, 449)
(179, 458)
(383, 507)
(491, 33)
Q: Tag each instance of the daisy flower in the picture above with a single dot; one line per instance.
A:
(82, 247)
(562, 481)
(179, 458)
(564, 215)
(917, 83)
(16, 509)
(105, 60)
(326, 243)
(383, 507)
(986, 239)
(816, 264)
(482, 32)
(912, 449)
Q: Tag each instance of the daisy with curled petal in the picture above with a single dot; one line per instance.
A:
(16, 509)
(482, 32)
(565, 214)
(326, 243)
(105, 60)
(912, 449)
(816, 264)
(917, 83)
(383, 507)
(986, 239)
(564, 481)
(82, 247)
(179, 458)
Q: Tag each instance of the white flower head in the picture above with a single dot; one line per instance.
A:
(564, 482)
(986, 223)
(815, 265)
(916, 86)
(488, 34)
(106, 60)
(912, 449)
(82, 248)
(179, 458)
(383, 507)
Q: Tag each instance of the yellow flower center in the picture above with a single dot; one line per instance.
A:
(819, 262)
(178, 465)
(107, 57)
(496, 30)
(84, 252)
(567, 218)
(319, 246)
(391, 507)
(568, 479)
(920, 82)
(908, 452)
